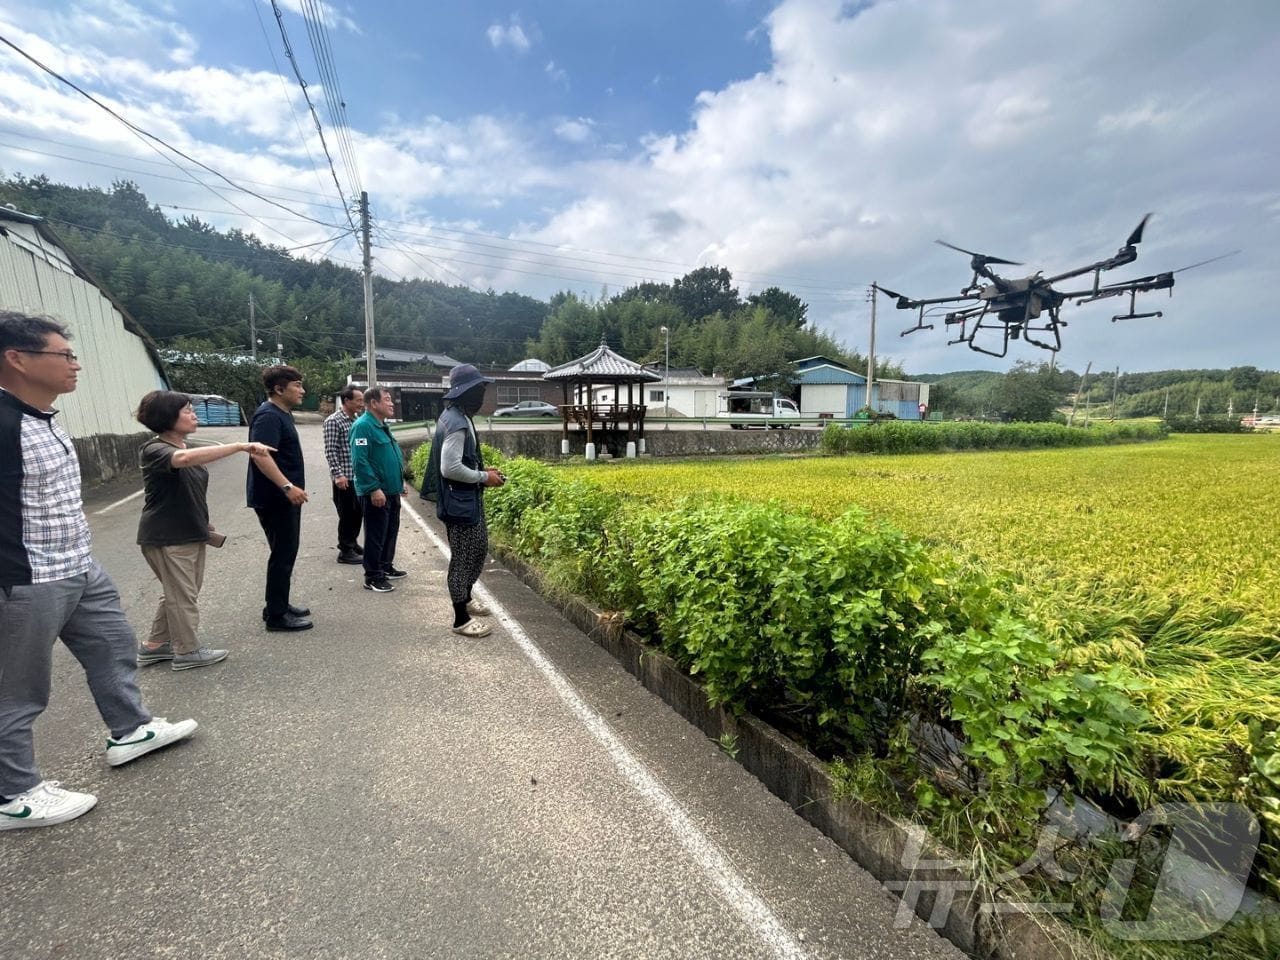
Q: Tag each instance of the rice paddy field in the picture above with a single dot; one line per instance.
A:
(1161, 556)
(1191, 518)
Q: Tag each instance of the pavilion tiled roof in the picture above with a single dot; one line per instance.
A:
(602, 365)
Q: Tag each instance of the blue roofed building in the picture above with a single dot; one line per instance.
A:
(827, 388)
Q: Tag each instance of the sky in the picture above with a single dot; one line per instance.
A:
(814, 145)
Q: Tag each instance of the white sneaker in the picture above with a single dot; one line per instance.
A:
(44, 805)
(150, 736)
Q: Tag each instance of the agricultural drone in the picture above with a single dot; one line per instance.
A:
(1028, 308)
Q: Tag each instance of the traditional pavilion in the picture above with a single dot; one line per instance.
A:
(613, 425)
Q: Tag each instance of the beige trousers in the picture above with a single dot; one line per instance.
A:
(180, 570)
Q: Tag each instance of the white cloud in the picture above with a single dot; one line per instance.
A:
(558, 76)
(511, 35)
(578, 130)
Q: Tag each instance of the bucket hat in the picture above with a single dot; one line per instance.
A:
(462, 378)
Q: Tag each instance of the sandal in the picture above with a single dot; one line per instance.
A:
(478, 609)
(473, 628)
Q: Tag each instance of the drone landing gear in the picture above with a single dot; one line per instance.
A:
(1050, 327)
(920, 325)
(1133, 297)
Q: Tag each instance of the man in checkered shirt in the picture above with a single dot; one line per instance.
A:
(51, 586)
(337, 451)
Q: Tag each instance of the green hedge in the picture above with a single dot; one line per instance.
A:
(838, 631)
(904, 436)
(1188, 424)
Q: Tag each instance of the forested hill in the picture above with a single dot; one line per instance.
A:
(1030, 392)
(186, 280)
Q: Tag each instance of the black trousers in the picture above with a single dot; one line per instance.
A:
(349, 515)
(381, 531)
(283, 526)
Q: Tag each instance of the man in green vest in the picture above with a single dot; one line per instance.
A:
(377, 468)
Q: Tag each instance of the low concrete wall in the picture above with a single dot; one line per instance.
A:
(545, 444)
(108, 456)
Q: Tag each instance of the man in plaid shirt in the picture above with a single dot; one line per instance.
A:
(51, 586)
(337, 430)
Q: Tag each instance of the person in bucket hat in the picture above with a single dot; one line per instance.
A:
(456, 478)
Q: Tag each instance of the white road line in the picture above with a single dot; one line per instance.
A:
(737, 892)
(112, 506)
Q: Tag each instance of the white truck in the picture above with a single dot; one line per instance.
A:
(756, 408)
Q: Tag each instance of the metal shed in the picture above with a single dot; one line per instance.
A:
(38, 275)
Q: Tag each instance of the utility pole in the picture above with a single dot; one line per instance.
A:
(1166, 403)
(1083, 380)
(253, 330)
(871, 350)
(371, 363)
(1115, 389)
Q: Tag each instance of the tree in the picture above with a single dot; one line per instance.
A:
(1027, 392)
(784, 307)
(704, 292)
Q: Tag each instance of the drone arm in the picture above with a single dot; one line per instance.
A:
(1125, 255)
(1160, 281)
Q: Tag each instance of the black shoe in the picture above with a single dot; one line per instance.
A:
(391, 573)
(293, 611)
(357, 550)
(349, 556)
(289, 622)
(379, 586)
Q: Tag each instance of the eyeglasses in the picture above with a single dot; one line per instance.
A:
(66, 355)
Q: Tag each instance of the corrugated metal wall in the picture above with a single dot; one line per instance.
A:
(819, 398)
(117, 368)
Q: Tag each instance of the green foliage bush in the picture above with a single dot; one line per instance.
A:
(912, 437)
(1186, 424)
(838, 630)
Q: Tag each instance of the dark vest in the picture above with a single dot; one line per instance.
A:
(459, 503)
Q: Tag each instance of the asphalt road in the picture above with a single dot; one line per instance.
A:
(381, 788)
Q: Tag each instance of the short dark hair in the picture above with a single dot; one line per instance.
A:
(374, 394)
(158, 410)
(278, 376)
(349, 392)
(22, 331)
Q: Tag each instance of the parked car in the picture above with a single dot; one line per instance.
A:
(529, 408)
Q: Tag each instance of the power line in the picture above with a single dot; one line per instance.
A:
(405, 250)
(151, 136)
(838, 294)
(288, 52)
(182, 246)
(606, 253)
(322, 50)
(552, 261)
(302, 136)
(25, 135)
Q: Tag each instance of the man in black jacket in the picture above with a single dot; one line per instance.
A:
(276, 489)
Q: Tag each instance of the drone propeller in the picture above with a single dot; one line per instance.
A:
(979, 257)
(1136, 236)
